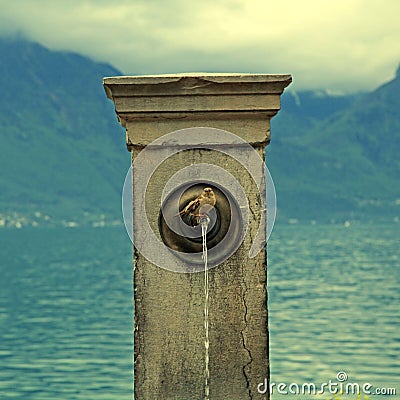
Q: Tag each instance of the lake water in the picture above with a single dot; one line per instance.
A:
(66, 309)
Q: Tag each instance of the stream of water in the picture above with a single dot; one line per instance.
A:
(204, 225)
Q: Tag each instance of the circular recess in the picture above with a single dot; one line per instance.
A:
(183, 235)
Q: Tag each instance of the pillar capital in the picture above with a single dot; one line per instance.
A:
(153, 105)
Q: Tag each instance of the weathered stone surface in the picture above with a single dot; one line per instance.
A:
(169, 319)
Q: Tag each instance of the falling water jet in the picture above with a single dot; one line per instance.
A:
(204, 222)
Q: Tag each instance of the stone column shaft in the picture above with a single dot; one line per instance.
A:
(169, 319)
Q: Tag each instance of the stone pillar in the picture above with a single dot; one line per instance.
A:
(169, 300)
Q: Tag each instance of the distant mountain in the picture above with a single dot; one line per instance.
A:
(343, 164)
(62, 150)
(302, 111)
(63, 156)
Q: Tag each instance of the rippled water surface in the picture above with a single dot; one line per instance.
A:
(66, 309)
(66, 314)
(334, 304)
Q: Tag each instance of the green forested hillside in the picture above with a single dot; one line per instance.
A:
(344, 165)
(62, 150)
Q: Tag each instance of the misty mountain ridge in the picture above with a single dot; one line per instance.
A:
(347, 162)
(64, 159)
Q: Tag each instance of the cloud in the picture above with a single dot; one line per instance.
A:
(339, 45)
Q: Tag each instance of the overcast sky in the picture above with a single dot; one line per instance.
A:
(339, 45)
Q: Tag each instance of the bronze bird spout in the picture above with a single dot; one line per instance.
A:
(201, 205)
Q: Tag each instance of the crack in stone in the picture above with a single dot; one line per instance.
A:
(137, 336)
(244, 344)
